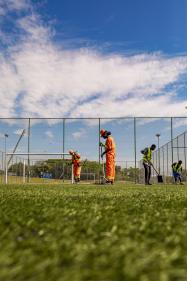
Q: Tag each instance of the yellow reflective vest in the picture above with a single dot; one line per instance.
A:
(148, 155)
(177, 168)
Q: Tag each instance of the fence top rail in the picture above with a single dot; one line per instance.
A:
(85, 118)
(25, 153)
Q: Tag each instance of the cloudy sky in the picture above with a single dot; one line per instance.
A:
(92, 58)
(101, 58)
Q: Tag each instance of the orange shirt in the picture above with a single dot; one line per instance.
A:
(110, 144)
(76, 161)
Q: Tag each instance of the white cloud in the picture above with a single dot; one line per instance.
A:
(18, 4)
(79, 134)
(49, 134)
(14, 5)
(39, 78)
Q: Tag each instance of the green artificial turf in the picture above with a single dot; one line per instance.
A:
(93, 233)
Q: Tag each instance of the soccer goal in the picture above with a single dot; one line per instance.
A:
(38, 168)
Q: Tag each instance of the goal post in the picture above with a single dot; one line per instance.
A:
(22, 154)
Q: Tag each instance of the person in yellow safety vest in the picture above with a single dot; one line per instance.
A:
(177, 170)
(147, 158)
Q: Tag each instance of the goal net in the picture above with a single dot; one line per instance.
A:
(38, 168)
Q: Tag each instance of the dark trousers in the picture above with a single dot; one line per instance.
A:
(147, 169)
(177, 176)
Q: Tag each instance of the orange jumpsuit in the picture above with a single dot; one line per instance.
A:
(110, 158)
(76, 167)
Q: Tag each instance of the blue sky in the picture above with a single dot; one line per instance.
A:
(145, 25)
(92, 59)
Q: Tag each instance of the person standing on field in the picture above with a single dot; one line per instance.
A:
(177, 171)
(147, 158)
(76, 161)
(110, 151)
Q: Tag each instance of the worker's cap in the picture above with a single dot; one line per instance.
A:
(102, 132)
(153, 146)
(180, 161)
(71, 152)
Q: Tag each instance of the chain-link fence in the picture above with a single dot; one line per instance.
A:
(50, 135)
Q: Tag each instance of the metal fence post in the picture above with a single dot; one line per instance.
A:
(178, 148)
(23, 170)
(172, 140)
(99, 139)
(6, 169)
(163, 161)
(63, 144)
(28, 160)
(2, 163)
(135, 156)
(72, 175)
(185, 150)
(167, 161)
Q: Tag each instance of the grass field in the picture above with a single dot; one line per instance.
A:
(93, 233)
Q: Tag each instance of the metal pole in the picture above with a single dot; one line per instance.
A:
(24, 171)
(6, 165)
(63, 146)
(185, 150)
(163, 161)
(159, 154)
(172, 139)
(135, 156)
(178, 148)
(72, 176)
(28, 160)
(167, 162)
(99, 140)
(2, 159)
(156, 152)
(153, 164)
(158, 138)
(6, 169)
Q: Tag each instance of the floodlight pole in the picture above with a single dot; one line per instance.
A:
(158, 136)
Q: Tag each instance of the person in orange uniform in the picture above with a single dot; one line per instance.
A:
(110, 151)
(76, 161)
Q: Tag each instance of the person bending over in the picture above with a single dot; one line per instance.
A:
(177, 171)
(147, 158)
(76, 161)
